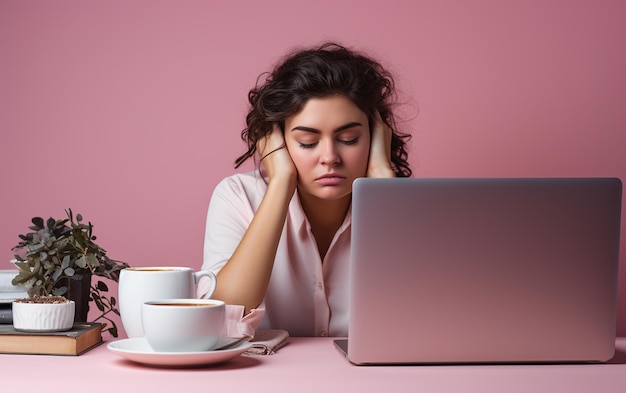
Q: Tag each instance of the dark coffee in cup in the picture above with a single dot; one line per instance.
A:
(185, 304)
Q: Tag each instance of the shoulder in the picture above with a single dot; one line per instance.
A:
(248, 186)
(242, 182)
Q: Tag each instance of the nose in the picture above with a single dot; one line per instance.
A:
(329, 154)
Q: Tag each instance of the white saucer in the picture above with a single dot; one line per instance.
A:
(138, 350)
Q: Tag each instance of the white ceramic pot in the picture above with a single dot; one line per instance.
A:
(42, 317)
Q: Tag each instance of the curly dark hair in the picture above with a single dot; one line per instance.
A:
(327, 70)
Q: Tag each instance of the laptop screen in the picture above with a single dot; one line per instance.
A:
(484, 270)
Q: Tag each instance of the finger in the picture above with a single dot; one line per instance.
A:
(377, 117)
(271, 151)
(380, 123)
(271, 142)
(380, 149)
(381, 133)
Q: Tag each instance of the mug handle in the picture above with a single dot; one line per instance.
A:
(206, 273)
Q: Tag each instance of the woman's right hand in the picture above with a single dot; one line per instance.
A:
(275, 157)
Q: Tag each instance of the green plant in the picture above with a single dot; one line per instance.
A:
(59, 252)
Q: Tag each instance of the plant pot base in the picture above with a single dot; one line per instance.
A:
(41, 317)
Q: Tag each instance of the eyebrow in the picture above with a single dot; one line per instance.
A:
(338, 129)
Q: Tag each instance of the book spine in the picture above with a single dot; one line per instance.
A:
(6, 315)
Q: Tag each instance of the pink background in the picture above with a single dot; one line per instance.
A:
(129, 112)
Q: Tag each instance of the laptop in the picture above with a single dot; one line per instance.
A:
(483, 270)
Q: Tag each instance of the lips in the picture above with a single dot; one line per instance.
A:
(330, 179)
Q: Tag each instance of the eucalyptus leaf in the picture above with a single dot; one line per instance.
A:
(81, 262)
(22, 278)
(38, 221)
(36, 266)
(22, 265)
(69, 272)
(59, 291)
(99, 303)
(65, 262)
(35, 247)
(102, 286)
(57, 273)
(93, 261)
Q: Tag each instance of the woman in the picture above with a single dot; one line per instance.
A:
(279, 237)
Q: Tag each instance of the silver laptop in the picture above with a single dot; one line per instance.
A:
(483, 270)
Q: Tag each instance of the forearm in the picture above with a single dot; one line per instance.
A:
(245, 277)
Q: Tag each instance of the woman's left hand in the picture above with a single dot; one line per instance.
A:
(380, 149)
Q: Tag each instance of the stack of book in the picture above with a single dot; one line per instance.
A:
(81, 338)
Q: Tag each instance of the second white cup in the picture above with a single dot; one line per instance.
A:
(183, 325)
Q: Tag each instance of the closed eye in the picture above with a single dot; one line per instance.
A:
(342, 133)
(308, 145)
(349, 142)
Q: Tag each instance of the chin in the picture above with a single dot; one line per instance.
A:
(331, 194)
(327, 193)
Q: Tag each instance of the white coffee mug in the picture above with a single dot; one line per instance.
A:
(138, 285)
(183, 325)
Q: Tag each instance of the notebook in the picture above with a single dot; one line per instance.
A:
(483, 270)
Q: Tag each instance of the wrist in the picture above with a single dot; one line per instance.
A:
(286, 182)
(380, 171)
